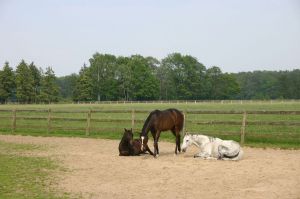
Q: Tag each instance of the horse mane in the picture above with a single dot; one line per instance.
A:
(211, 139)
(147, 121)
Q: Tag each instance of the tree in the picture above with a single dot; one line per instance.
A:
(7, 83)
(84, 87)
(49, 87)
(165, 76)
(67, 85)
(24, 83)
(103, 71)
(229, 87)
(124, 78)
(213, 82)
(187, 76)
(294, 78)
(143, 81)
(288, 84)
(219, 85)
(36, 75)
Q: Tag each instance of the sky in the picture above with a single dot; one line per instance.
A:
(234, 35)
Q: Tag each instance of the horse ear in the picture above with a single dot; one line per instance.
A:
(125, 129)
(131, 129)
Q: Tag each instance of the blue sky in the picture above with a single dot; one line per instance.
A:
(234, 35)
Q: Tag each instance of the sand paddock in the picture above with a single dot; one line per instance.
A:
(94, 170)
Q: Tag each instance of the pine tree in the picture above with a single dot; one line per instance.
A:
(84, 87)
(7, 83)
(36, 74)
(49, 87)
(24, 83)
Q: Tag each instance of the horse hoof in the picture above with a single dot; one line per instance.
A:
(156, 156)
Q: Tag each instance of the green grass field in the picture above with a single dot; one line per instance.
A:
(26, 177)
(284, 136)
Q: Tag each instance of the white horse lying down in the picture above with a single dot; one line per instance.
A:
(213, 148)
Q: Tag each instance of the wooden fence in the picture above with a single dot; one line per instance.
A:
(242, 101)
(89, 113)
(274, 101)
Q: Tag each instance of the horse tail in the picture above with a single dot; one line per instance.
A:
(241, 154)
(181, 119)
(238, 156)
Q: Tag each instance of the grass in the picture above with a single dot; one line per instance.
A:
(150, 106)
(26, 177)
(256, 135)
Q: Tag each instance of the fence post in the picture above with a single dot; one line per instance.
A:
(132, 120)
(49, 121)
(14, 118)
(88, 126)
(243, 128)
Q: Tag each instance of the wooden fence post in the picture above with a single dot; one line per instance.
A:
(88, 121)
(132, 120)
(49, 121)
(14, 119)
(243, 128)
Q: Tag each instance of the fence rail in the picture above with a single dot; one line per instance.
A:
(87, 117)
(237, 101)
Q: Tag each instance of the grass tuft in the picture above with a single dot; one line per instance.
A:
(23, 177)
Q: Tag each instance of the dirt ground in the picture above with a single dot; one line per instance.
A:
(95, 170)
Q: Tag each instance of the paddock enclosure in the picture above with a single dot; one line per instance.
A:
(263, 123)
(93, 169)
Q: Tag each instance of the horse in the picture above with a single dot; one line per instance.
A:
(137, 147)
(130, 147)
(125, 146)
(158, 121)
(213, 148)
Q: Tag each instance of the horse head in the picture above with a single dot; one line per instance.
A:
(187, 141)
(128, 135)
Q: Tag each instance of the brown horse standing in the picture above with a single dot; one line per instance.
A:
(158, 121)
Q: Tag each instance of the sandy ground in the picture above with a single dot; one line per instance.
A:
(94, 170)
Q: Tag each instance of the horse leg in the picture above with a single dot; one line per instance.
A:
(148, 149)
(157, 143)
(178, 142)
(156, 151)
(176, 133)
(199, 155)
(153, 135)
(220, 152)
(124, 153)
(202, 155)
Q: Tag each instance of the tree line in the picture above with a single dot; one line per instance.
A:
(176, 77)
(28, 84)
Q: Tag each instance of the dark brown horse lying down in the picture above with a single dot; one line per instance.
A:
(130, 147)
